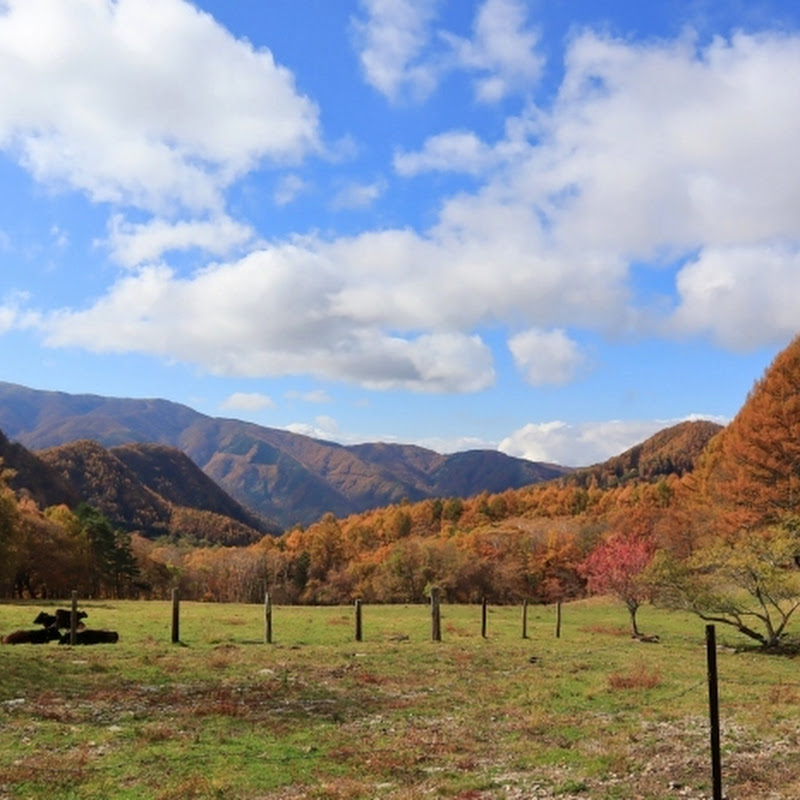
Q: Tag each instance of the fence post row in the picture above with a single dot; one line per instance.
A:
(524, 619)
(484, 611)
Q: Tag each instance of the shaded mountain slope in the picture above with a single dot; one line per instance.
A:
(105, 483)
(154, 490)
(33, 476)
(172, 475)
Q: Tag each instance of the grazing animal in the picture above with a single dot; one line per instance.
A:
(36, 636)
(89, 636)
(62, 618)
(48, 620)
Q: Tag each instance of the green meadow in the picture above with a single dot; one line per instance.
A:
(316, 714)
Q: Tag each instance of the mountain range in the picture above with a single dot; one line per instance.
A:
(271, 479)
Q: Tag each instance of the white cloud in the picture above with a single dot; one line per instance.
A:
(457, 151)
(651, 151)
(148, 104)
(133, 244)
(358, 195)
(394, 41)
(661, 146)
(391, 40)
(15, 315)
(741, 295)
(545, 357)
(502, 49)
(324, 427)
(247, 401)
(579, 445)
(289, 188)
(272, 313)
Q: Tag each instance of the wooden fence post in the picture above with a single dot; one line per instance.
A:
(176, 616)
(359, 630)
(436, 618)
(524, 619)
(713, 709)
(73, 618)
(483, 617)
(267, 618)
(558, 620)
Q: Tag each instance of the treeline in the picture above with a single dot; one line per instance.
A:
(50, 552)
(521, 544)
(524, 544)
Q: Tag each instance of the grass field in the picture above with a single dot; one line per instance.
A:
(592, 714)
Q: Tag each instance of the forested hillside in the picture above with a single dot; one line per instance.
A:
(516, 543)
(276, 474)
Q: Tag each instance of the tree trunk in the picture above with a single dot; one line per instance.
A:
(632, 609)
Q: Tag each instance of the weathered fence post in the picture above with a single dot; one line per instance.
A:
(176, 616)
(713, 709)
(73, 618)
(359, 631)
(524, 619)
(484, 609)
(558, 620)
(436, 618)
(267, 618)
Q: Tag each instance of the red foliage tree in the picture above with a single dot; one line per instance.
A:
(617, 566)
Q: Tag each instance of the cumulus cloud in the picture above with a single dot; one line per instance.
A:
(151, 105)
(395, 43)
(391, 38)
(131, 244)
(545, 357)
(271, 313)
(502, 50)
(579, 445)
(247, 401)
(742, 296)
(655, 147)
(663, 151)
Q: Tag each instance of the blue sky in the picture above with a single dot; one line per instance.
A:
(552, 227)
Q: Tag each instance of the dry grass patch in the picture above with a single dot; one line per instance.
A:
(638, 676)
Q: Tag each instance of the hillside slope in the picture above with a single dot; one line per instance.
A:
(673, 451)
(154, 490)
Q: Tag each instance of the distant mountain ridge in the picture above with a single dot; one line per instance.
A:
(275, 474)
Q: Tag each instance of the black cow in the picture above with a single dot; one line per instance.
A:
(36, 636)
(89, 636)
(62, 618)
